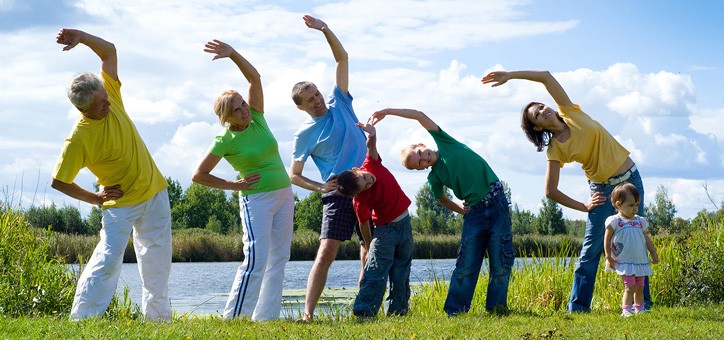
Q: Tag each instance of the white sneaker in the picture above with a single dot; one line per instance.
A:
(626, 313)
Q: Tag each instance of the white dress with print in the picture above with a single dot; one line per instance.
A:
(629, 245)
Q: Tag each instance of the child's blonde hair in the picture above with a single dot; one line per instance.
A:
(623, 191)
(405, 154)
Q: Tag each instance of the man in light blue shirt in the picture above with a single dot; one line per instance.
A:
(330, 136)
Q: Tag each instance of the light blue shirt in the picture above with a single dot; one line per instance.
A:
(334, 141)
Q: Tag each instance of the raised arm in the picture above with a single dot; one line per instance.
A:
(104, 49)
(224, 50)
(340, 55)
(552, 86)
(419, 116)
(371, 140)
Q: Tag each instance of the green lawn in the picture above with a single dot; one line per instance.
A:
(661, 323)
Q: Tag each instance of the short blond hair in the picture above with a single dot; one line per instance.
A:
(405, 154)
(222, 106)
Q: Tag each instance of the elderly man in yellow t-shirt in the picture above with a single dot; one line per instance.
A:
(132, 190)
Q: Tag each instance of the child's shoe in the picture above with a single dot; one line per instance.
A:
(626, 311)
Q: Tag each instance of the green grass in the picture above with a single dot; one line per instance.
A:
(662, 323)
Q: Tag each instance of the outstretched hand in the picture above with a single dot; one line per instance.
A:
(497, 77)
(377, 116)
(314, 23)
(68, 37)
(220, 48)
(367, 127)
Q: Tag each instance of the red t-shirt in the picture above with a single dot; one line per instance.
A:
(385, 198)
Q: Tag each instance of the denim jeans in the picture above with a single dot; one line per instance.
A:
(486, 229)
(390, 254)
(584, 277)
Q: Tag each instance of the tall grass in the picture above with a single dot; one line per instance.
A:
(201, 245)
(690, 272)
(31, 282)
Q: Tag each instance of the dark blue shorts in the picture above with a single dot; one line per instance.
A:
(338, 218)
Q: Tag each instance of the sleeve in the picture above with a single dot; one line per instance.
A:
(435, 186)
(300, 152)
(70, 162)
(342, 99)
(609, 222)
(218, 147)
(361, 209)
(112, 87)
(644, 223)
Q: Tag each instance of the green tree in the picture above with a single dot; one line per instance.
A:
(64, 220)
(308, 212)
(175, 192)
(550, 218)
(199, 203)
(522, 221)
(661, 212)
(94, 220)
(431, 217)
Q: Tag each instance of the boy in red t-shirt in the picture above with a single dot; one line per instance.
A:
(377, 195)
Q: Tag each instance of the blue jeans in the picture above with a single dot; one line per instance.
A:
(486, 229)
(390, 254)
(584, 277)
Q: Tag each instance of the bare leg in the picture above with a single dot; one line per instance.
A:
(328, 249)
(628, 295)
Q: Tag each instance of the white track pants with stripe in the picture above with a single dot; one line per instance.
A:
(150, 222)
(267, 219)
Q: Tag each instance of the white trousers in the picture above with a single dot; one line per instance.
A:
(267, 219)
(150, 222)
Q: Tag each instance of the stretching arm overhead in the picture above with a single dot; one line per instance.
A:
(340, 55)
(224, 50)
(419, 116)
(104, 49)
(544, 77)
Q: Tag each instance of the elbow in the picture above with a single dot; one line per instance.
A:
(196, 177)
(55, 184)
(550, 193)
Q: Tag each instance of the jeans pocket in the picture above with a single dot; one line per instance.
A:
(506, 241)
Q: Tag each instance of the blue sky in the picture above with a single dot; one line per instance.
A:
(650, 72)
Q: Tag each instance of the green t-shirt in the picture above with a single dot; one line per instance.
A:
(111, 149)
(460, 169)
(254, 150)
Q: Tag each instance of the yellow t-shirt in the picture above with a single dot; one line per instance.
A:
(111, 149)
(590, 144)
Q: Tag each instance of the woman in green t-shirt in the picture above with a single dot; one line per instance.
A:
(266, 200)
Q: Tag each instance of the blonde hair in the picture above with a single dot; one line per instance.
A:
(222, 106)
(405, 154)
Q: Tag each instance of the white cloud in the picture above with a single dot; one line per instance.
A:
(413, 54)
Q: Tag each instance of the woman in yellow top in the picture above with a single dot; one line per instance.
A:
(570, 135)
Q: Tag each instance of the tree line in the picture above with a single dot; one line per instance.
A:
(212, 209)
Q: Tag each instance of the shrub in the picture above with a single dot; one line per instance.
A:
(31, 282)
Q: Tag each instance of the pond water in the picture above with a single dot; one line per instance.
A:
(203, 287)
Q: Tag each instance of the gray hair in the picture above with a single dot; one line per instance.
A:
(83, 88)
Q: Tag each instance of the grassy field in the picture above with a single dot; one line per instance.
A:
(662, 323)
(687, 288)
